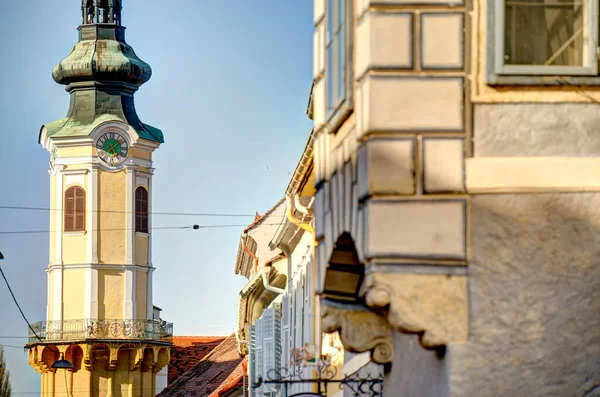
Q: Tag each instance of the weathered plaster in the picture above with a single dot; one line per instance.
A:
(534, 297)
(536, 129)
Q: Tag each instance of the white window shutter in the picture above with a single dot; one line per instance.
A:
(271, 328)
(285, 331)
(252, 367)
(259, 355)
(308, 310)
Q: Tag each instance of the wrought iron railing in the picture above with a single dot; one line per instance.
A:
(357, 384)
(101, 329)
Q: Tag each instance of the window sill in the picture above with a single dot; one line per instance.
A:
(338, 115)
(142, 234)
(548, 81)
(75, 233)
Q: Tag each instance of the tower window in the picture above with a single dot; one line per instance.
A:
(74, 209)
(141, 210)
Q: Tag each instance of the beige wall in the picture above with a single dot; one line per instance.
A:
(110, 294)
(141, 250)
(112, 220)
(74, 280)
(141, 297)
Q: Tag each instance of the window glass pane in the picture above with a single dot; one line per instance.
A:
(340, 12)
(329, 17)
(545, 32)
(329, 78)
(341, 67)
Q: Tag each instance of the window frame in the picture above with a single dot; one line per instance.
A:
(336, 113)
(139, 227)
(71, 226)
(499, 73)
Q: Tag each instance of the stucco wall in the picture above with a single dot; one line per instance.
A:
(534, 297)
(416, 371)
(536, 129)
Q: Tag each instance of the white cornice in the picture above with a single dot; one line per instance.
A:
(124, 129)
(93, 161)
(97, 266)
(81, 171)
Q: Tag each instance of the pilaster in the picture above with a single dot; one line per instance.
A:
(92, 214)
(130, 213)
(58, 213)
(129, 307)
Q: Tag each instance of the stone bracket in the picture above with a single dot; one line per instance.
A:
(360, 329)
(435, 305)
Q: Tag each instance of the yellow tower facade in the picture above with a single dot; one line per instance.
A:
(100, 314)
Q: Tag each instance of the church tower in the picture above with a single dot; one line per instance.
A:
(100, 315)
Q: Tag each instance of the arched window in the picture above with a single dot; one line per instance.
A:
(75, 209)
(141, 210)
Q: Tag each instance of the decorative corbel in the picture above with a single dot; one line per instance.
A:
(136, 358)
(87, 357)
(434, 305)
(113, 358)
(360, 329)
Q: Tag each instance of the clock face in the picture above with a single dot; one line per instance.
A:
(112, 148)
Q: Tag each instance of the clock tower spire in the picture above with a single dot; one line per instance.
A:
(100, 314)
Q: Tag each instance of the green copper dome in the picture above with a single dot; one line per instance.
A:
(101, 73)
(102, 54)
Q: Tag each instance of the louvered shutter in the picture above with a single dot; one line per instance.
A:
(271, 346)
(141, 210)
(299, 303)
(252, 364)
(79, 199)
(69, 210)
(285, 331)
(308, 310)
(259, 355)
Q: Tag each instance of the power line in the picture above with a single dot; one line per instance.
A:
(216, 214)
(193, 227)
(17, 303)
(16, 347)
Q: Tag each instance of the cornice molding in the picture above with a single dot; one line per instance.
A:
(98, 266)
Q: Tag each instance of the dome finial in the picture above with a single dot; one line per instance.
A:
(101, 11)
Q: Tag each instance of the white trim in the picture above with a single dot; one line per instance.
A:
(48, 295)
(100, 266)
(150, 218)
(130, 212)
(76, 233)
(90, 308)
(590, 62)
(93, 160)
(92, 215)
(57, 304)
(149, 305)
(130, 293)
(58, 220)
(532, 174)
(82, 171)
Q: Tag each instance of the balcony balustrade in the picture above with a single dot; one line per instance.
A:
(101, 329)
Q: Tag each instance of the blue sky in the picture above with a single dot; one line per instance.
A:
(229, 90)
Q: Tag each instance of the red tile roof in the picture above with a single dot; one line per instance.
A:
(187, 351)
(219, 373)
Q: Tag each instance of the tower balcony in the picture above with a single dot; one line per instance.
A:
(106, 329)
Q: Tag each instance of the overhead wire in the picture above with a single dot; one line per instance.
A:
(193, 227)
(207, 214)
